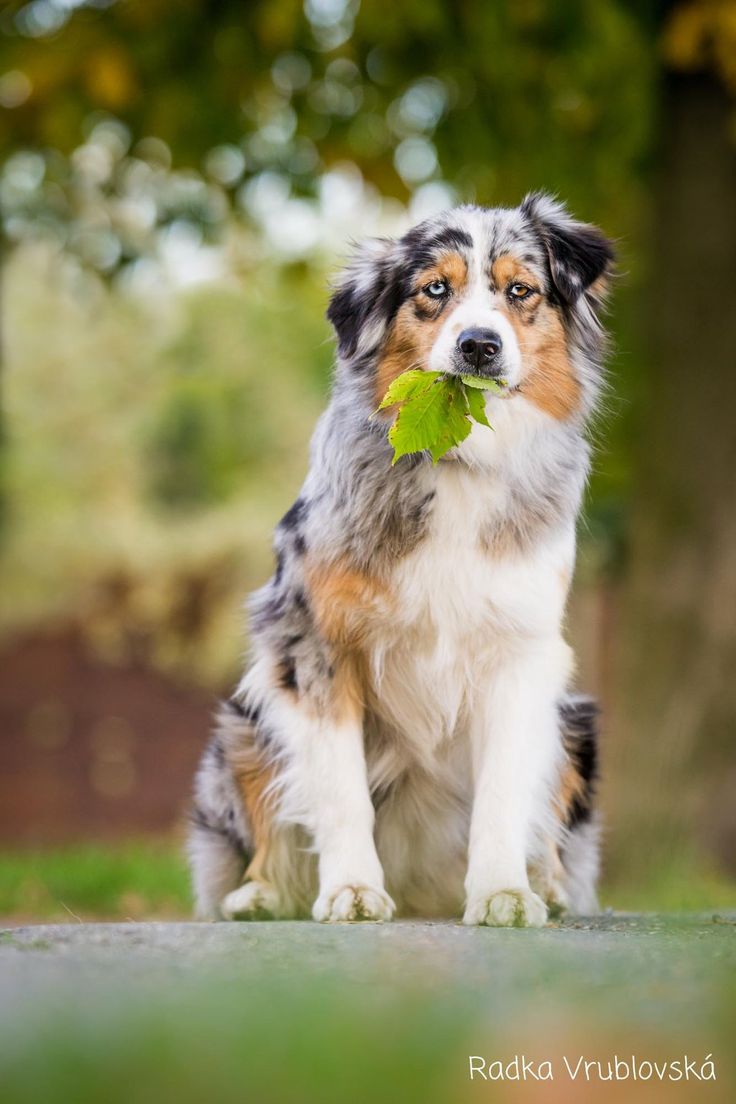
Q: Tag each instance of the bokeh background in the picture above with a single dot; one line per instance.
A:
(178, 180)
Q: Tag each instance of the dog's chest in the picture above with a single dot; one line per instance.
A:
(442, 587)
(458, 608)
(468, 577)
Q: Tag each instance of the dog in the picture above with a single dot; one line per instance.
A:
(404, 740)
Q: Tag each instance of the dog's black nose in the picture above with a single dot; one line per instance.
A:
(479, 347)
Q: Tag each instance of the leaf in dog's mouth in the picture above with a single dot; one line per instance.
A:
(435, 410)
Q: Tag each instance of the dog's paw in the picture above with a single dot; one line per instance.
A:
(558, 904)
(554, 896)
(251, 901)
(353, 902)
(508, 908)
(548, 880)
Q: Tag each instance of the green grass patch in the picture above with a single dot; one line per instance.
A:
(673, 887)
(149, 880)
(134, 881)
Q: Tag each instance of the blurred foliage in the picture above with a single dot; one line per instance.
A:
(128, 116)
(701, 35)
(152, 443)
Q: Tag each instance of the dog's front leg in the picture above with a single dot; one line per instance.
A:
(329, 773)
(516, 747)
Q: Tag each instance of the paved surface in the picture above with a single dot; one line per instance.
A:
(637, 954)
(303, 1013)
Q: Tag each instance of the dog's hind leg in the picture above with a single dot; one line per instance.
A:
(220, 842)
(567, 872)
(242, 864)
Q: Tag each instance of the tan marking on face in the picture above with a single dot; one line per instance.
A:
(509, 269)
(549, 380)
(411, 338)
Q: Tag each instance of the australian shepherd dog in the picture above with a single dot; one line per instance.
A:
(405, 740)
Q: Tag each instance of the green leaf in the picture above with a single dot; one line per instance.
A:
(484, 384)
(408, 385)
(420, 422)
(456, 425)
(435, 412)
(477, 406)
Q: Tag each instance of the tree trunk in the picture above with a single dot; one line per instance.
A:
(669, 798)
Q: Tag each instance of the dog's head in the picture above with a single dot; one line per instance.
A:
(512, 294)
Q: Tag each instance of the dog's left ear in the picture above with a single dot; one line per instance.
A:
(580, 256)
(366, 297)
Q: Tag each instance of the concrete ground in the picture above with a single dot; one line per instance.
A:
(430, 992)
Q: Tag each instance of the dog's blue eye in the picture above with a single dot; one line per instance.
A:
(436, 289)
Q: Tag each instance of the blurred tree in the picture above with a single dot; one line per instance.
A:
(673, 699)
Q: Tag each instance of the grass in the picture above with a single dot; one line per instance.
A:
(673, 889)
(149, 880)
(93, 882)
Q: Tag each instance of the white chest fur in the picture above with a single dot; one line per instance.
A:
(453, 585)
(459, 608)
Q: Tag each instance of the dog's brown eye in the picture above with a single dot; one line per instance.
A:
(436, 289)
(519, 291)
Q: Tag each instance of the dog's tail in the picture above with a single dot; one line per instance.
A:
(219, 842)
(580, 850)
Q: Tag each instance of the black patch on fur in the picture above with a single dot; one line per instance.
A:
(452, 237)
(579, 717)
(577, 260)
(199, 820)
(300, 544)
(294, 515)
(349, 308)
(300, 600)
(278, 573)
(249, 713)
(271, 611)
(287, 673)
(577, 252)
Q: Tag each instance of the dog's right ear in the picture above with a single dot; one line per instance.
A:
(366, 297)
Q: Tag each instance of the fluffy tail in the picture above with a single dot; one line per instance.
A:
(580, 851)
(219, 842)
